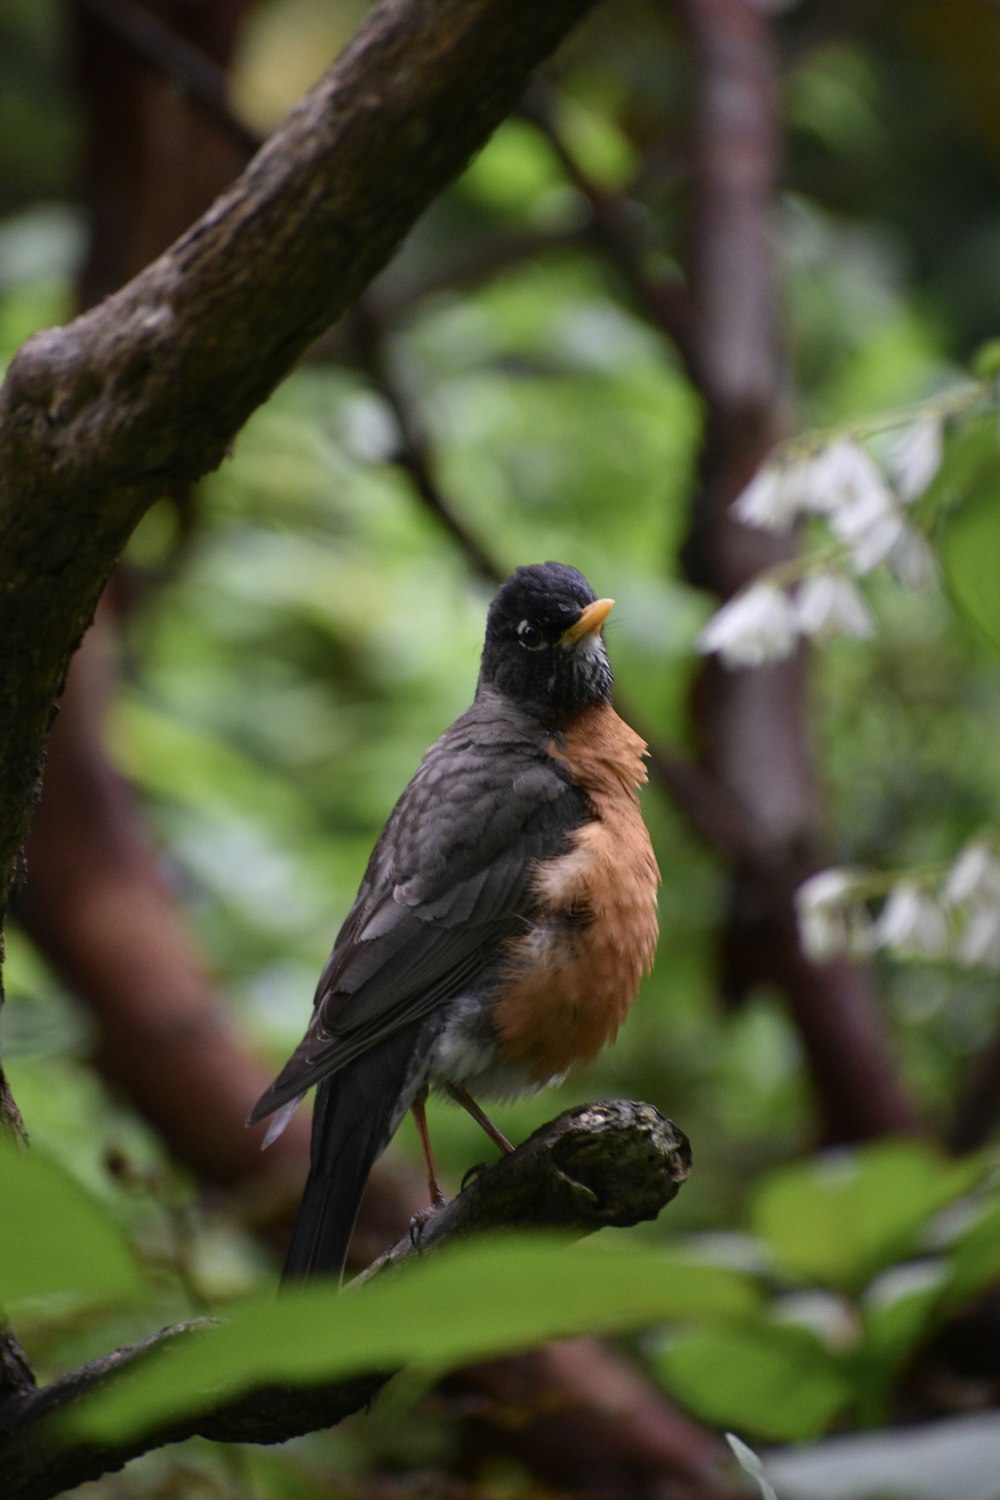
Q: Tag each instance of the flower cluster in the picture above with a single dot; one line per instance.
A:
(766, 621)
(954, 914)
(865, 510)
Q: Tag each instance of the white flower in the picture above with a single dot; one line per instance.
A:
(979, 944)
(822, 932)
(915, 457)
(745, 1456)
(975, 875)
(912, 919)
(756, 626)
(842, 475)
(831, 918)
(773, 498)
(973, 886)
(828, 888)
(829, 604)
(847, 485)
(912, 560)
(870, 525)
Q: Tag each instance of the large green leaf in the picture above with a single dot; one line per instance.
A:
(898, 1310)
(970, 474)
(482, 1299)
(55, 1239)
(772, 1380)
(898, 1307)
(839, 1219)
(975, 1257)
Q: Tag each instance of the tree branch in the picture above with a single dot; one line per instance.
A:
(706, 803)
(738, 363)
(612, 231)
(614, 1163)
(412, 452)
(150, 388)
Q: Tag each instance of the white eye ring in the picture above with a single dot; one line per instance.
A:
(530, 637)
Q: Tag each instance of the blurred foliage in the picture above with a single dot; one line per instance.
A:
(37, 117)
(288, 667)
(432, 1317)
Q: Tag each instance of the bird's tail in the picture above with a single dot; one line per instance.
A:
(356, 1113)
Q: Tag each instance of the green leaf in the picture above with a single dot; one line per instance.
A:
(898, 1309)
(971, 552)
(986, 360)
(55, 1239)
(602, 150)
(970, 542)
(975, 1258)
(479, 1300)
(970, 450)
(899, 1306)
(776, 1381)
(839, 1219)
(512, 170)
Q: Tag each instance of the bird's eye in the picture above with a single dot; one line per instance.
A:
(529, 636)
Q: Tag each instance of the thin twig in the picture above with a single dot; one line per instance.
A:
(413, 452)
(613, 230)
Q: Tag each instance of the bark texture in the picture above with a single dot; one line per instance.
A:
(147, 390)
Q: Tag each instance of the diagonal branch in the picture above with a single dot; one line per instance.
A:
(150, 388)
(705, 802)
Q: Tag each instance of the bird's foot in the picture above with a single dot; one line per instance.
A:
(419, 1220)
(473, 1173)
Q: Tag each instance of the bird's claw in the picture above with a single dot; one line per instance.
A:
(419, 1220)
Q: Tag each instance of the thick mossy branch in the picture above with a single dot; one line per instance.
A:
(149, 389)
(613, 1163)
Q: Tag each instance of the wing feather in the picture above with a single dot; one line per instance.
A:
(448, 883)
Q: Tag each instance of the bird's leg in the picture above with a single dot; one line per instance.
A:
(467, 1102)
(420, 1115)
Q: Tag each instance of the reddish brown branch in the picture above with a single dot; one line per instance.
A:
(97, 902)
(753, 725)
(173, 56)
(737, 147)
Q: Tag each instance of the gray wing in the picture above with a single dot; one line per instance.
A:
(446, 885)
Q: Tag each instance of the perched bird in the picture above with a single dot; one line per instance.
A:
(504, 921)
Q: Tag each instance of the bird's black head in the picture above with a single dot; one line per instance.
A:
(543, 642)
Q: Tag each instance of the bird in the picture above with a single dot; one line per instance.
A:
(505, 919)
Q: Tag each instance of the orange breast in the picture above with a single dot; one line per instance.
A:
(575, 973)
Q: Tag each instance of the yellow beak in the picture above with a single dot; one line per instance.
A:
(589, 623)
